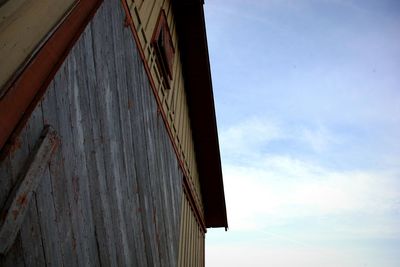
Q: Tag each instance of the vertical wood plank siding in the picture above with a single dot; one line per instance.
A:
(191, 246)
(111, 195)
(174, 105)
(144, 15)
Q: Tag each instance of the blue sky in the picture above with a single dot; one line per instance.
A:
(307, 98)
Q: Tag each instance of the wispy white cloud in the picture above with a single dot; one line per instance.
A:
(312, 177)
(261, 256)
(319, 139)
(281, 190)
(247, 136)
(278, 188)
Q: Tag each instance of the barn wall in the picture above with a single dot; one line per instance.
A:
(174, 101)
(191, 245)
(112, 192)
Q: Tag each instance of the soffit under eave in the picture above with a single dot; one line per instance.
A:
(196, 69)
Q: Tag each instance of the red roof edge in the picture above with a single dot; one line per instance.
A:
(20, 99)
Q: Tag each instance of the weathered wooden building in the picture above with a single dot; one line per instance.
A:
(109, 146)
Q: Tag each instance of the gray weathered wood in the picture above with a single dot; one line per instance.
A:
(82, 206)
(59, 184)
(43, 201)
(112, 193)
(15, 209)
(107, 97)
(31, 232)
(95, 160)
(10, 171)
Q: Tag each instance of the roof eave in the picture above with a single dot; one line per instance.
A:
(197, 75)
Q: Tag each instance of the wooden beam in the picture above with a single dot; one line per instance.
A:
(17, 203)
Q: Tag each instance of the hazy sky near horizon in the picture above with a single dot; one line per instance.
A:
(307, 96)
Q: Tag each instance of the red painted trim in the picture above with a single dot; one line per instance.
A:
(188, 187)
(29, 87)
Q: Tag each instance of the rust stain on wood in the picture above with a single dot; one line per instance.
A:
(75, 186)
(22, 200)
(74, 243)
(15, 145)
(15, 214)
(130, 104)
(19, 198)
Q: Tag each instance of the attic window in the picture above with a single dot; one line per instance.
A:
(162, 44)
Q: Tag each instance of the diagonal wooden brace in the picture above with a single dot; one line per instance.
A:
(17, 204)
